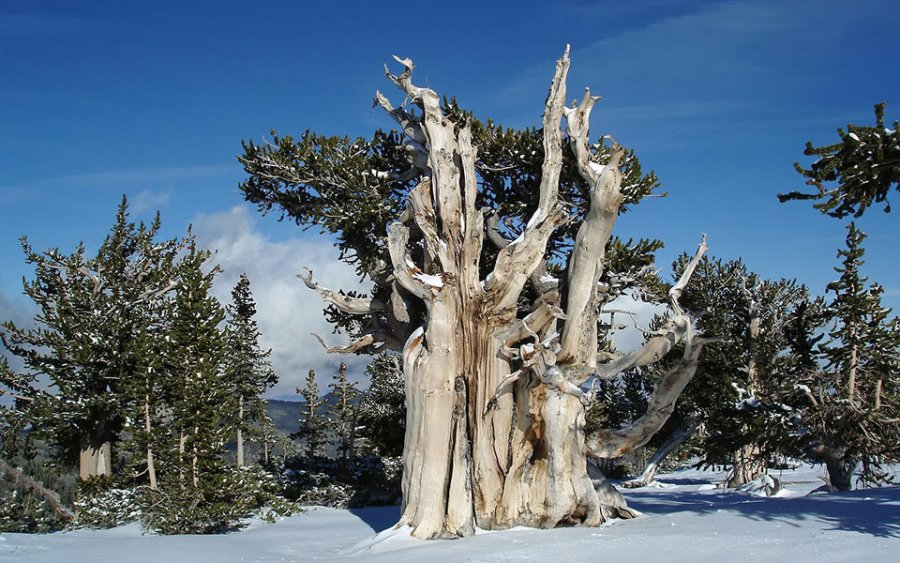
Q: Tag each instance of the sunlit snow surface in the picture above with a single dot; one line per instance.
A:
(684, 519)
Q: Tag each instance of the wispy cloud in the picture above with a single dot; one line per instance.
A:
(139, 178)
(149, 200)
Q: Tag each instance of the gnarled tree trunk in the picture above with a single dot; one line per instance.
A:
(495, 411)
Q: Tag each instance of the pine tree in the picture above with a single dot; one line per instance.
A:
(247, 368)
(730, 394)
(313, 427)
(343, 413)
(851, 306)
(843, 381)
(92, 312)
(865, 165)
(199, 397)
(382, 411)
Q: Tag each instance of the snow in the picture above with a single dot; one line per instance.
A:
(429, 279)
(547, 279)
(685, 518)
(598, 168)
(412, 337)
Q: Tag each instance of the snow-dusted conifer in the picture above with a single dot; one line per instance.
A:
(382, 410)
(313, 425)
(92, 312)
(342, 413)
(247, 367)
(864, 165)
(844, 368)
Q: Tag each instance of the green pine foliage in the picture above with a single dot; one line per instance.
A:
(844, 377)
(343, 413)
(91, 313)
(382, 411)
(137, 355)
(313, 423)
(855, 173)
(248, 371)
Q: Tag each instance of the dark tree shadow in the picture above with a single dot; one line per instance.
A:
(869, 511)
(377, 517)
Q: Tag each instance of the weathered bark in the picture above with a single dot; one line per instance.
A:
(195, 468)
(616, 442)
(671, 444)
(840, 472)
(748, 466)
(495, 412)
(151, 463)
(613, 443)
(839, 464)
(240, 433)
(95, 455)
(878, 387)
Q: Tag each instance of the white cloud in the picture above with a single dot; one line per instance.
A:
(630, 337)
(287, 311)
(148, 200)
(20, 311)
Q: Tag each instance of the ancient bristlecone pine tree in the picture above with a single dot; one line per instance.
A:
(495, 425)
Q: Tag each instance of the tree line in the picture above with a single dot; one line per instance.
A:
(137, 375)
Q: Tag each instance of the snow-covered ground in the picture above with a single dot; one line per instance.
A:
(684, 519)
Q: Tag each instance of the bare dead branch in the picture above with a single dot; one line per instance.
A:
(351, 348)
(612, 443)
(345, 304)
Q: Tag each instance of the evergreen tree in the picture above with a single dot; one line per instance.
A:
(382, 411)
(865, 164)
(92, 312)
(198, 397)
(730, 393)
(247, 367)
(196, 493)
(313, 427)
(843, 388)
(342, 413)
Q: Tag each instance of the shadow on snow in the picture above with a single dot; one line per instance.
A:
(869, 511)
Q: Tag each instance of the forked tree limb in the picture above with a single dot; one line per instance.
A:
(345, 304)
(613, 443)
(540, 279)
(677, 289)
(670, 334)
(404, 269)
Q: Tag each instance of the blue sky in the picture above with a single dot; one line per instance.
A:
(152, 99)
